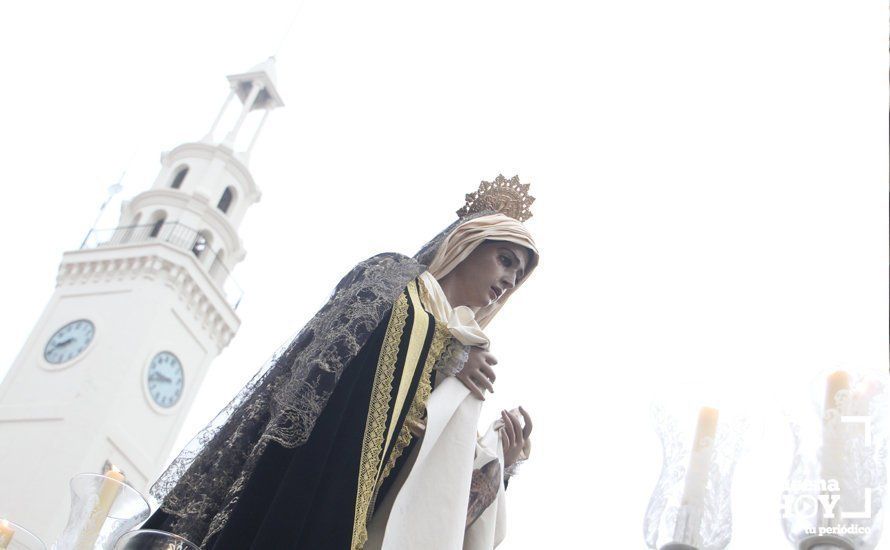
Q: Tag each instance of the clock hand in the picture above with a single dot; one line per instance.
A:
(66, 342)
(159, 376)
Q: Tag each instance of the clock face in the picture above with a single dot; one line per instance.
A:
(69, 341)
(165, 379)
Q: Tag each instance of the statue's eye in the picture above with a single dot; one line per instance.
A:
(506, 260)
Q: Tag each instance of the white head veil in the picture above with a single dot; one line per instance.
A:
(461, 242)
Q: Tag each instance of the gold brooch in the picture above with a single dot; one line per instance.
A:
(509, 197)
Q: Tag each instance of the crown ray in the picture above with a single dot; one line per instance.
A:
(509, 197)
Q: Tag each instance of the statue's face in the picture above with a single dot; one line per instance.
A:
(481, 278)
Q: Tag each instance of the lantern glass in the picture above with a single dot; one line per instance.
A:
(838, 477)
(17, 537)
(102, 509)
(153, 539)
(690, 505)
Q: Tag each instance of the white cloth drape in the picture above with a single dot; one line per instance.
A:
(461, 321)
(427, 505)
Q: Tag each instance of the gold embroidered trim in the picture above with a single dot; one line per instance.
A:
(418, 406)
(424, 295)
(419, 327)
(376, 422)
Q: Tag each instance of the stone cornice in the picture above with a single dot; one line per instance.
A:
(162, 262)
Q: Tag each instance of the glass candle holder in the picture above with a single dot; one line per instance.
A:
(152, 539)
(102, 509)
(836, 486)
(690, 506)
(15, 537)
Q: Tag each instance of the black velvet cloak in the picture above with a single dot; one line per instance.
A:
(299, 458)
(320, 494)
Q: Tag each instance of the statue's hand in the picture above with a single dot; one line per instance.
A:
(477, 374)
(514, 434)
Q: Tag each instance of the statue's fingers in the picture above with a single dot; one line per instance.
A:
(527, 430)
(508, 428)
(517, 428)
(488, 372)
(475, 390)
(482, 381)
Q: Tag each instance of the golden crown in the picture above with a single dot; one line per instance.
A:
(507, 196)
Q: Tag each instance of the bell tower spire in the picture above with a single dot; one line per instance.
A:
(138, 314)
(257, 91)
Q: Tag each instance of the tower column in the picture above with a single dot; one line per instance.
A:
(209, 137)
(257, 133)
(248, 105)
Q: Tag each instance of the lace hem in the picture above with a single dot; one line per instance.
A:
(453, 358)
(512, 469)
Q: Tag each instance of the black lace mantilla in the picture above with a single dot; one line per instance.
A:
(284, 399)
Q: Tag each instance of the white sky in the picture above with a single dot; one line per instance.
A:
(711, 183)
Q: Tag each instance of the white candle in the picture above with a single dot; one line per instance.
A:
(700, 458)
(837, 381)
(688, 527)
(107, 494)
(832, 433)
(6, 533)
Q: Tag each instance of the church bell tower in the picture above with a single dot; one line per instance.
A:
(139, 312)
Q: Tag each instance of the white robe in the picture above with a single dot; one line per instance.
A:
(427, 504)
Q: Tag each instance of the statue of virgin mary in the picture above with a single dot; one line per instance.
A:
(359, 434)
